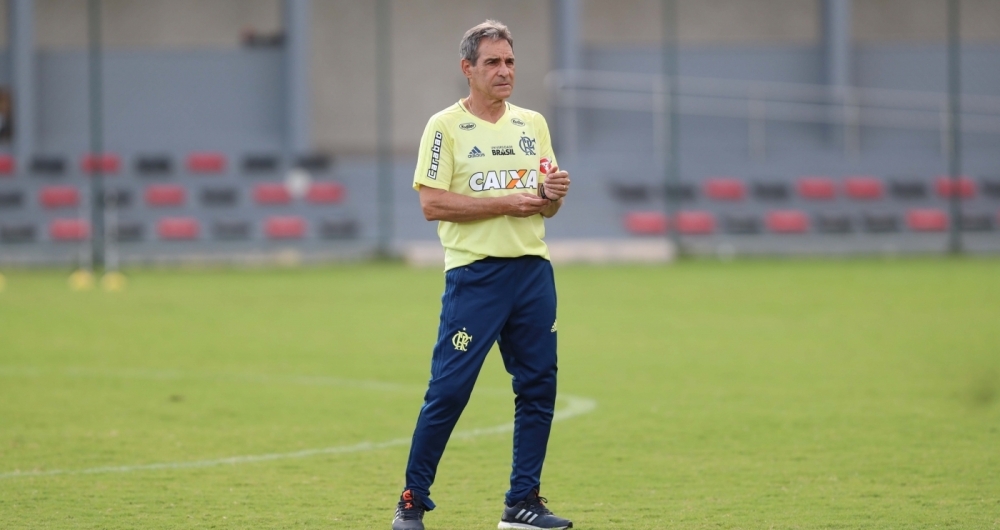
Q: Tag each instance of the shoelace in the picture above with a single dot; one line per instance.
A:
(538, 506)
(408, 511)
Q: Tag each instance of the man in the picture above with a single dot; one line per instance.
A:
(478, 174)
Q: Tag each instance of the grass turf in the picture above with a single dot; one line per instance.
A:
(757, 394)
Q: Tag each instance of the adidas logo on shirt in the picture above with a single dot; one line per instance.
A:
(475, 153)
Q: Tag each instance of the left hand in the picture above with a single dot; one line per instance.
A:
(556, 184)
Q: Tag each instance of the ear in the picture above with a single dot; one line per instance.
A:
(466, 67)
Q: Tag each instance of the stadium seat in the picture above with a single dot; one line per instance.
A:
(927, 220)
(59, 196)
(69, 229)
(165, 195)
(338, 229)
(325, 193)
(695, 222)
(152, 165)
(118, 198)
(231, 229)
(315, 162)
(741, 224)
(271, 193)
(907, 188)
(816, 188)
(17, 233)
(976, 222)
(177, 228)
(48, 165)
(128, 231)
(991, 187)
(206, 162)
(725, 189)
(11, 199)
(830, 223)
(646, 223)
(261, 163)
(787, 221)
(219, 196)
(863, 188)
(630, 191)
(881, 223)
(964, 188)
(106, 163)
(680, 191)
(770, 190)
(6, 165)
(284, 227)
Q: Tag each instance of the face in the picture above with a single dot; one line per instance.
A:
(493, 74)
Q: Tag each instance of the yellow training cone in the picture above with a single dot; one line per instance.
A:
(81, 280)
(113, 281)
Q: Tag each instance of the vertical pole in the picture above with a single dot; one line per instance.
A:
(21, 31)
(296, 17)
(383, 100)
(567, 46)
(954, 110)
(837, 57)
(671, 164)
(97, 198)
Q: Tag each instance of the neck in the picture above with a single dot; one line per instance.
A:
(490, 110)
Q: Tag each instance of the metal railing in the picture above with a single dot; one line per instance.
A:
(759, 102)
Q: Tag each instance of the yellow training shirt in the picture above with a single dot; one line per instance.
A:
(463, 154)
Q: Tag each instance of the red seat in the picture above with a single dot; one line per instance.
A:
(946, 188)
(325, 193)
(290, 227)
(725, 189)
(69, 229)
(816, 188)
(165, 195)
(107, 163)
(863, 187)
(206, 162)
(646, 223)
(177, 228)
(271, 194)
(927, 220)
(59, 196)
(695, 222)
(787, 221)
(6, 165)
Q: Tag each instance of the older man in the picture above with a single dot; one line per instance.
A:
(486, 171)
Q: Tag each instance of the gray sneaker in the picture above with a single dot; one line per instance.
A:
(409, 512)
(531, 514)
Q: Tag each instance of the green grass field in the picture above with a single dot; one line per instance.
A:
(751, 394)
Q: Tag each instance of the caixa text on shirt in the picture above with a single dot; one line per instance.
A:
(432, 172)
(508, 179)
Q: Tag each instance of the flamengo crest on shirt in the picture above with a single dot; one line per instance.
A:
(432, 172)
(504, 179)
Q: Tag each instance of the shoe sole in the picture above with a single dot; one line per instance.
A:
(504, 525)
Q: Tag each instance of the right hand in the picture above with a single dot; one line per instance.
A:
(525, 205)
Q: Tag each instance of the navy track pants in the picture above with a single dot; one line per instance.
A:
(507, 300)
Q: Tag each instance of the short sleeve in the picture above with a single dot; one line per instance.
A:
(544, 140)
(434, 161)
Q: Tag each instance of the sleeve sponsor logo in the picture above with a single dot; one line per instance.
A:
(517, 122)
(504, 179)
(432, 172)
(468, 126)
(527, 145)
(503, 150)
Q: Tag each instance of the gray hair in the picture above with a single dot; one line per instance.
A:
(491, 29)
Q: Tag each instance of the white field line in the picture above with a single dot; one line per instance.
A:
(575, 406)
